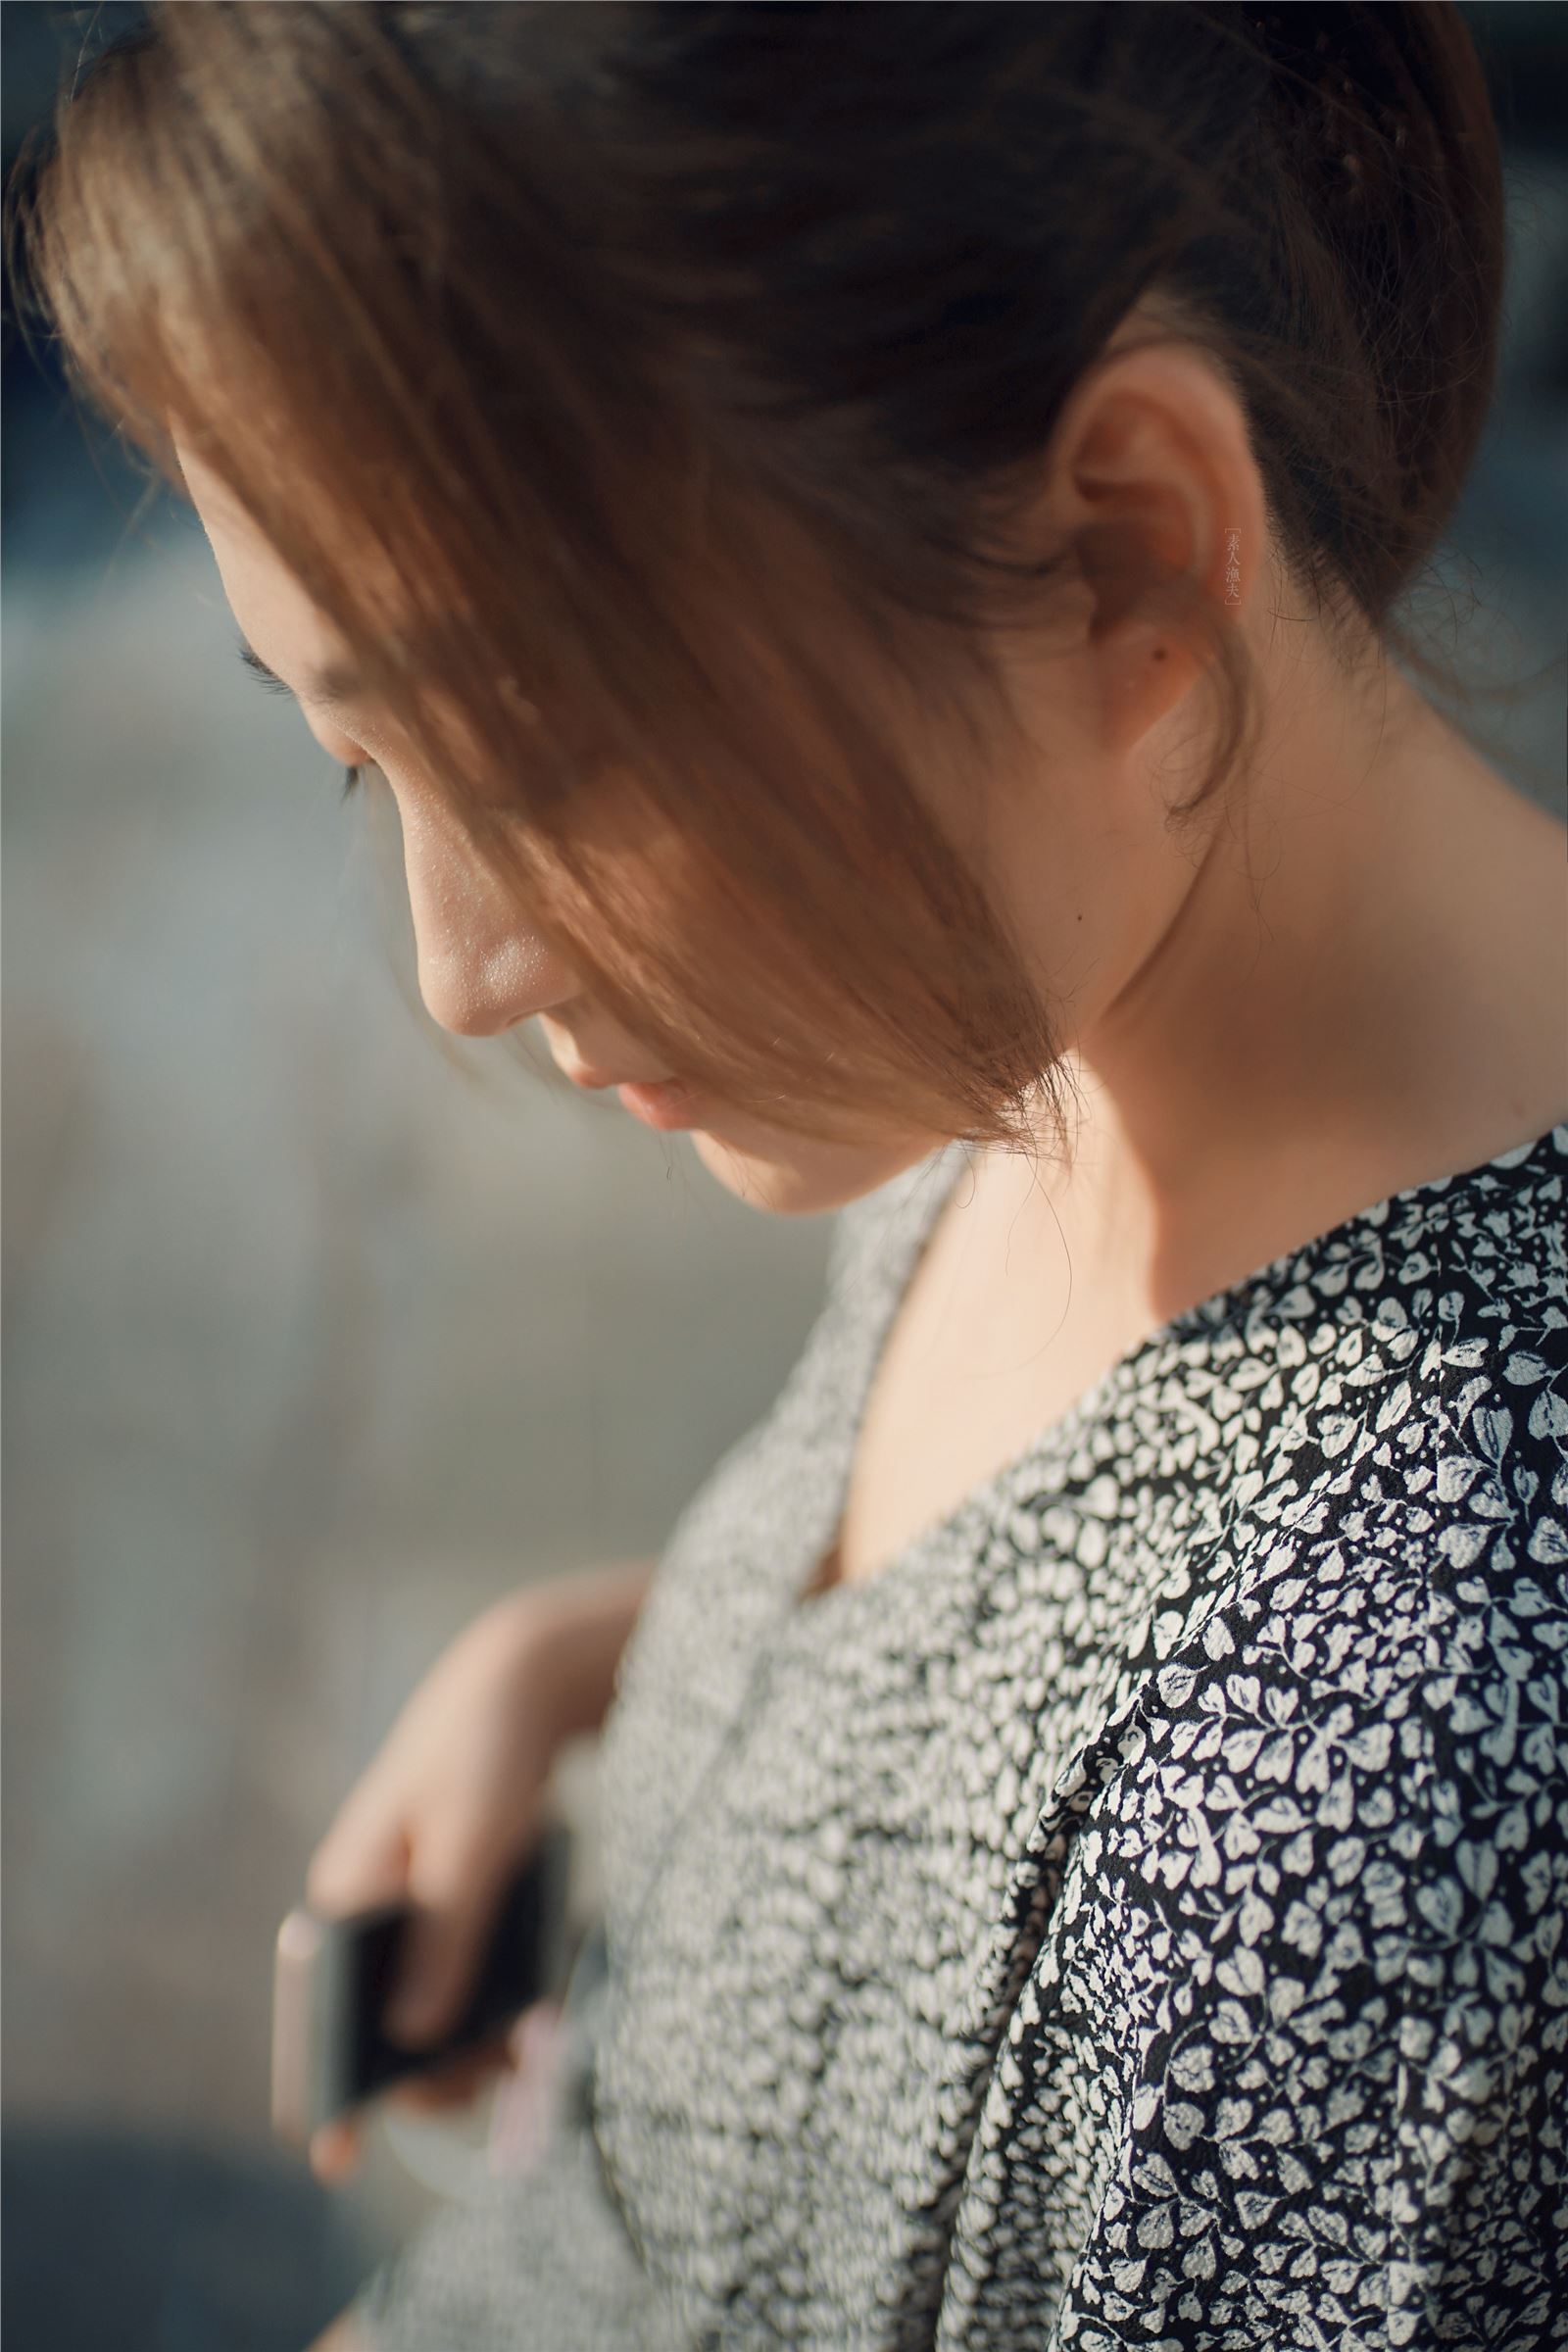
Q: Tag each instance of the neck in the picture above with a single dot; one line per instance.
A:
(1361, 991)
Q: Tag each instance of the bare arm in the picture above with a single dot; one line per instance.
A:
(579, 1624)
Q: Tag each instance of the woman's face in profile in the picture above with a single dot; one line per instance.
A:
(480, 968)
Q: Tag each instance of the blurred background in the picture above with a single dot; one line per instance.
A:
(320, 1331)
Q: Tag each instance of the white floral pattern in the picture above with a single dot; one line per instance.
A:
(1139, 1914)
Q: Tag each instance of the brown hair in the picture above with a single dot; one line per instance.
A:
(649, 397)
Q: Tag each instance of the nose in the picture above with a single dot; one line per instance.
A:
(481, 970)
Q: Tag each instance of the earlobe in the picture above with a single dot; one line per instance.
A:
(1143, 677)
(1142, 661)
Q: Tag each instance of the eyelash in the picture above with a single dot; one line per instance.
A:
(351, 775)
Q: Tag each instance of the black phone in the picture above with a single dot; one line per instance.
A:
(332, 1979)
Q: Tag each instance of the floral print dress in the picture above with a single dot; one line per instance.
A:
(1139, 1914)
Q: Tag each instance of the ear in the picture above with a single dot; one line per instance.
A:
(1152, 461)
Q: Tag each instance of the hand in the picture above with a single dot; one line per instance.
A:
(442, 1816)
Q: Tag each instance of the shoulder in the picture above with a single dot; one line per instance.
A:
(1483, 1274)
(1307, 1960)
(1289, 2049)
(1375, 1682)
(1450, 1299)
(1396, 1501)
(1368, 1540)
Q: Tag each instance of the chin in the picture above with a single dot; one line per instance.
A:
(791, 1176)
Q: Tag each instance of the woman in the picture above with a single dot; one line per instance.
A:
(863, 544)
